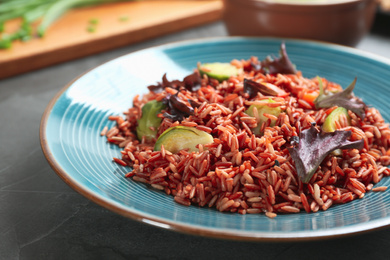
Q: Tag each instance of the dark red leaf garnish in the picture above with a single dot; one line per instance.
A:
(252, 88)
(181, 106)
(281, 65)
(156, 88)
(344, 99)
(314, 146)
(255, 66)
(176, 108)
(164, 84)
(193, 103)
(191, 82)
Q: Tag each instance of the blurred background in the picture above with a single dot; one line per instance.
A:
(39, 33)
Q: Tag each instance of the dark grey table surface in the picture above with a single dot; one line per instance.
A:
(42, 218)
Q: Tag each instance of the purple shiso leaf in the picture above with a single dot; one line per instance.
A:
(252, 88)
(179, 105)
(176, 108)
(344, 99)
(164, 84)
(193, 103)
(281, 65)
(191, 82)
(314, 146)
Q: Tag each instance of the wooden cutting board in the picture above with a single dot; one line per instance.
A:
(69, 37)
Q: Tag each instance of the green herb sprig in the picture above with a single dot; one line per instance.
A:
(43, 13)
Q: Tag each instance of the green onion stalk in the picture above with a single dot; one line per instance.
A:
(42, 12)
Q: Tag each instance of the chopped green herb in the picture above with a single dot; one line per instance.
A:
(94, 21)
(92, 25)
(91, 29)
(123, 18)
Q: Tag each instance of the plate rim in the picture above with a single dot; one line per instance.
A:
(198, 229)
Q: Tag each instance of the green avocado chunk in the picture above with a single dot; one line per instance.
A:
(182, 137)
(149, 121)
(330, 121)
(218, 70)
(261, 109)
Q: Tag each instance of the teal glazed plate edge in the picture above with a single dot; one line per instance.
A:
(72, 122)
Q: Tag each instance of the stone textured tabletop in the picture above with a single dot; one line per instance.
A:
(42, 218)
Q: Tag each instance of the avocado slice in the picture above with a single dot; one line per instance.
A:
(149, 122)
(261, 109)
(218, 70)
(178, 138)
(329, 123)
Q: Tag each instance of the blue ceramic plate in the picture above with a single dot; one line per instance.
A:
(71, 141)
